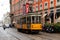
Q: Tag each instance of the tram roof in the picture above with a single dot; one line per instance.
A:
(29, 14)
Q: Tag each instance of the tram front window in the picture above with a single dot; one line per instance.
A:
(36, 19)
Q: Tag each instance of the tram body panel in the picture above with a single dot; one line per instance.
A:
(36, 27)
(17, 26)
(32, 27)
(24, 26)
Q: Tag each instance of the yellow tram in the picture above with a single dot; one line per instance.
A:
(29, 23)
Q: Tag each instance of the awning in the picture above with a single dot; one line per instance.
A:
(44, 15)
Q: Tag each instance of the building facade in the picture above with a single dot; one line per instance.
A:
(49, 9)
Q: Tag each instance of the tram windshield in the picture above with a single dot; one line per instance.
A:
(36, 19)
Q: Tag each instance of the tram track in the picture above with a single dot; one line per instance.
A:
(19, 35)
(31, 36)
(40, 36)
(43, 36)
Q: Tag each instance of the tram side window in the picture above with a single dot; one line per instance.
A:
(21, 21)
(18, 21)
(24, 20)
(28, 20)
(33, 19)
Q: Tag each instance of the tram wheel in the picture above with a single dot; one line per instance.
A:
(35, 32)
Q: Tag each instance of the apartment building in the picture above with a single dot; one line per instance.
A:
(49, 9)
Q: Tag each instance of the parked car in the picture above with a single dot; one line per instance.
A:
(7, 25)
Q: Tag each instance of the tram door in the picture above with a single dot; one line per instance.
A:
(22, 22)
(28, 22)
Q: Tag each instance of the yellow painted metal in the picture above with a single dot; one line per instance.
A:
(32, 27)
(24, 26)
(36, 26)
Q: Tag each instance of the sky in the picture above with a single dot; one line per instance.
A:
(4, 8)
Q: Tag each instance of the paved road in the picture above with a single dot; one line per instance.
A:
(13, 34)
(5, 36)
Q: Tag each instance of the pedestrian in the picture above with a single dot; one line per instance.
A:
(4, 27)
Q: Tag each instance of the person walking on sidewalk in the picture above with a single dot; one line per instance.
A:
(4, 27)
